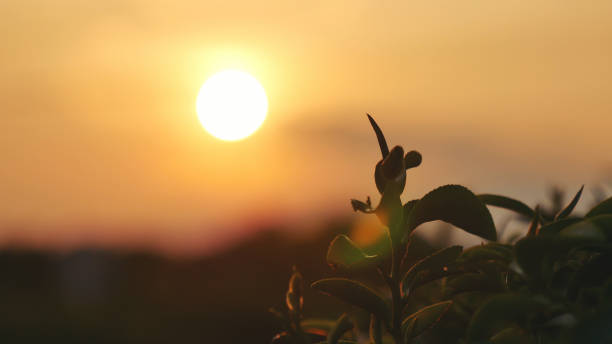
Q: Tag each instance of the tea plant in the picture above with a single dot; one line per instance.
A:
(553, 285)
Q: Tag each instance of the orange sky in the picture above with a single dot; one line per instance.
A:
(98, 125)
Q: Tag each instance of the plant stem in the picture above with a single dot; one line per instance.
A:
(396, 296)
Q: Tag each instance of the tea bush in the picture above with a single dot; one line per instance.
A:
(552, 286)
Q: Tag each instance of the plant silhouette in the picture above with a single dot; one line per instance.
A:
(554, 285)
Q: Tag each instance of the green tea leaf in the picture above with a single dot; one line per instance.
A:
(499, 311)
(456, 205)
(354, 293)
(343, 324)
(470, 282)
(343, 253)
(565, 212)
(512, 335)
(424, 319)
(490, 251)
(602, 208)
(593, 273)
(434, 264)
(555, 227)
(596, 228)
(536, 255)
(507, 203)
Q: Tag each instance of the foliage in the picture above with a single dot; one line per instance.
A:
(552, 286)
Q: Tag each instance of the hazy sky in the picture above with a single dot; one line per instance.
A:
(100, 143)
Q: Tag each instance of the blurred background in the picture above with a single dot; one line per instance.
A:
(122, 220)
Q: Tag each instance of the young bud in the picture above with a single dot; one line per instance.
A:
(294, 297)
(393, 165)
(412, 159)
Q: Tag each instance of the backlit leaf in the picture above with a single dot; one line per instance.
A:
(555, 227)
(490, 251)
(343, 252)
(565, 212)
(425, 318)
(512, 335)
(456, 205)
(602, 208)
(507, 203)
(343, 324)
(355, 293)
(434, 263)
(499, 311)
(596, 228)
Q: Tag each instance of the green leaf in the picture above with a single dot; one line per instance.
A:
(343, 324)
(343, 253)
(490, 251)
(318, 324)
(512, 335)
(456, 205)
(354, 293)
(507, 203)
(425, 318)
(499, 311)
(384, 149)
(470, 282)
(593, 273)
(565, 212)
(602, 208)
(435, 264)
(555, 227)
(596, 228)
(408, 329)
(537, 254)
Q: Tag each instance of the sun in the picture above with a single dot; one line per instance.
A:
(232, 105)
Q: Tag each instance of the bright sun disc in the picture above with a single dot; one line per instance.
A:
(231, 105)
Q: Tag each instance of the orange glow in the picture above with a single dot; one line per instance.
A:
(98, 134)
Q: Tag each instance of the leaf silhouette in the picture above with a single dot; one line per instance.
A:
(501, 310)
(425, 318)
(596, 228)
(570, 207)
(456, 205)
(382, 143)
(602, 208)
(355, 293)
(555, 227)
(434, 263)
(507, 203)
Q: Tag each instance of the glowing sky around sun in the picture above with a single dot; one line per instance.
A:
(98, 126)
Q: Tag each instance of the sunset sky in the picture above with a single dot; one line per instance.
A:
(100, 142)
